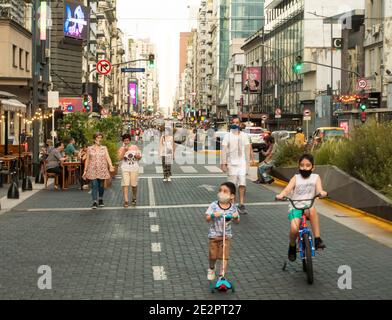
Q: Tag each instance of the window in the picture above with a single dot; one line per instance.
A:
(21, 59)
(27, 61)
(14, 50)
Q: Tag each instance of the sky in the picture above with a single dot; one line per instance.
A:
(161, 21)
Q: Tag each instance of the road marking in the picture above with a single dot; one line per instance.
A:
(159, 169)
(188, 169)
(151, 193)
(213, 169)
(9, 204)
(159, 273)
(204, 205)
(156, 247)
(207, 187)
(154, 228)
(152, 214)
(186, 177)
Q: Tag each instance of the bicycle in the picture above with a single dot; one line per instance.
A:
(305, 238)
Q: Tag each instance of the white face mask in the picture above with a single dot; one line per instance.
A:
(223, 197)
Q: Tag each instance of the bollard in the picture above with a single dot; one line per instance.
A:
(27, 184)
(13, 191)
(39, 178)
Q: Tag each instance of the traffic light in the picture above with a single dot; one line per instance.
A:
(86, 106)
(363, 117)
(297, 67)
(362, 106)
(151, 59)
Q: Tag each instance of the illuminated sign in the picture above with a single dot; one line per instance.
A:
(75, 20)
(251, 80)
(133, 93)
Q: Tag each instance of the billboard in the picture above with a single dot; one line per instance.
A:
(75, 20)
(71, 104)
(132, 88)
(251, 80)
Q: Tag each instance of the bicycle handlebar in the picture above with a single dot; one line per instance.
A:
(292, 201)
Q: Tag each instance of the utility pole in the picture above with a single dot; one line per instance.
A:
(262, 71)
(331, 111)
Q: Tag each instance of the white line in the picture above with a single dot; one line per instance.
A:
(141, 170)
(159, 169)
(9, 204)
(213, 169)
(204, 205)
(156, 247)
(151, 193)
(154, 228)
(186, 177)
(188, 169)
(152, 214)
(159, 273)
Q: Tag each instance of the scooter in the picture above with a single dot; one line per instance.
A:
(222, 284)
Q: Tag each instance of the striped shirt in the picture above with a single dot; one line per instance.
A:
(216, 228)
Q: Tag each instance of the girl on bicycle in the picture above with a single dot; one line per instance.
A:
(304, 185)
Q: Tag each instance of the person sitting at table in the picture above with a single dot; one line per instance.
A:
(54, 162)
(70, 149)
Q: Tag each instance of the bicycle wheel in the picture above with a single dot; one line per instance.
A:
(308, 259)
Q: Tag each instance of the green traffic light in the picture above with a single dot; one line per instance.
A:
(363, 107)
(297, 67)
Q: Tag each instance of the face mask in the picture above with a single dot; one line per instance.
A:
(234, 127)
(223, 197)
(305, 173)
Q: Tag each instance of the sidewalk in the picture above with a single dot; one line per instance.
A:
(371, 227)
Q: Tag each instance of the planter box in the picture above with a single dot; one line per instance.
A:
(345, 189)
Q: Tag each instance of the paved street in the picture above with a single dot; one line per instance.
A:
(159, 249)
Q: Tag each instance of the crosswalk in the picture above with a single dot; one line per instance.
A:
(184, 169)
(191, 169)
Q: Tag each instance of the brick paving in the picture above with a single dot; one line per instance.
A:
(107, 254)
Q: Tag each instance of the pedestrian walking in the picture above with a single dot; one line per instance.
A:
(97, 167)
(129, 155)
(235, 159)
(166, 152)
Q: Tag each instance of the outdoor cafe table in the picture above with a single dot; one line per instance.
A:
(66, 165)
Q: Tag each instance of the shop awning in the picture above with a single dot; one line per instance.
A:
(12, 105)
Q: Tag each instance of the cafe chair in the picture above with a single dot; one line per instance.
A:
(48, 175)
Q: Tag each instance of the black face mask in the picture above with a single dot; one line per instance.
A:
(305, 173)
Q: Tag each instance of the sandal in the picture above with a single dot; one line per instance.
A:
(126, 204)
(134, 203)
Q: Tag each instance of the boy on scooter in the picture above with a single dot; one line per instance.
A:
(215, 214)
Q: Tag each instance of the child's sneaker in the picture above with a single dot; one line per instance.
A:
(319, 244)
(292, 252)
(211, 274)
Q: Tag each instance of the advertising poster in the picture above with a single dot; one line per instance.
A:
(75, 20)
(251, 80)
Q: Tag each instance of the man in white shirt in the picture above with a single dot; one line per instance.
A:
(235, 159)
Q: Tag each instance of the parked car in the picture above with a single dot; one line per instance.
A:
(325, 133)
(256, 137)
(281, 135)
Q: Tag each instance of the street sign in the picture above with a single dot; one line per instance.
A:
(53, 99)
(264, 117)
(362, 84)
(104, 67)
(307, 118)
(307, 113)
(337, 43)
(133, 70)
